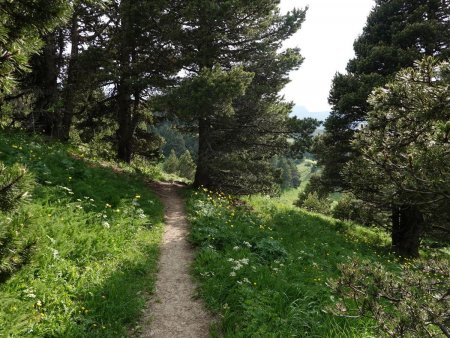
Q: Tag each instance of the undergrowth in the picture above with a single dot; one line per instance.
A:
(266, 272)
(96, 233)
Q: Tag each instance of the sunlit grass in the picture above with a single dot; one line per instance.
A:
(97, 234)
(266, 271)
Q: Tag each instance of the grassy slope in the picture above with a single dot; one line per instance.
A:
(265, 273)
(97, 235)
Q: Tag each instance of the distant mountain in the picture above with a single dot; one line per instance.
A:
(303, 112)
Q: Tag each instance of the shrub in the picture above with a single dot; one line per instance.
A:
(270, 249)
(171, 164)
(314, 185)
(15, 185)
(186, 166)
(15, 248)
(413, 303)
(348, 208)
(314, 203)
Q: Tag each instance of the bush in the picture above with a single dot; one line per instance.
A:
(186, 166)
(314, 203)
(15, 249)
(171, 164)
(314, 185)
(15, 185)
(270, 249)
(349, 208)
(413, 303)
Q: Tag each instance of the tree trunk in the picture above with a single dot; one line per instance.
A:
(125, 131)
(124, 87)
(45, 117)
(202, 175)
(71, 84)
(407, 226)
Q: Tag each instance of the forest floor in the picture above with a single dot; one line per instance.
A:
(174, 310)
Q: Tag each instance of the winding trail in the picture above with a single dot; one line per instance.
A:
(173, 312)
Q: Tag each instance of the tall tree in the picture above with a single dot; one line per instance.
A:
(397, 33)
(405, 151)
(231, 49)
(56, 78)
(144, 61)
(22, 24)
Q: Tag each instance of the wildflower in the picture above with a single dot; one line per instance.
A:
(233, 274)
(247, 244)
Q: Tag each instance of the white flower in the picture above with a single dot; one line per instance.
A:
(55, 253)
(233, 274)
(247, 244)
(106, 225)
(236, 248)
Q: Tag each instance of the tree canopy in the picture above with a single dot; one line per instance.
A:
(405, 151)
(397, 33)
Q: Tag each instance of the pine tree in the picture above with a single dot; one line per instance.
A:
(235, 73)
(186, 166)
(172, 164)
(405, 153)
(21, 25)
(397, 33)
(286, 174)
(15, 186)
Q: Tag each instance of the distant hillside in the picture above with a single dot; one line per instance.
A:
(303, 112)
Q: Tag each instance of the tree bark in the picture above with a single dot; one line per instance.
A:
(125, 131)
(45, 118)
(71, 84)
(202, 174)
(407, 227)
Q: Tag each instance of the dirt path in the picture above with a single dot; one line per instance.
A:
(173, 312)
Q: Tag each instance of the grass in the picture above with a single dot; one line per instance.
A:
(96, 234)
(265, 272)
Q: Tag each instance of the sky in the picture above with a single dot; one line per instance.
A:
(326, 42)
